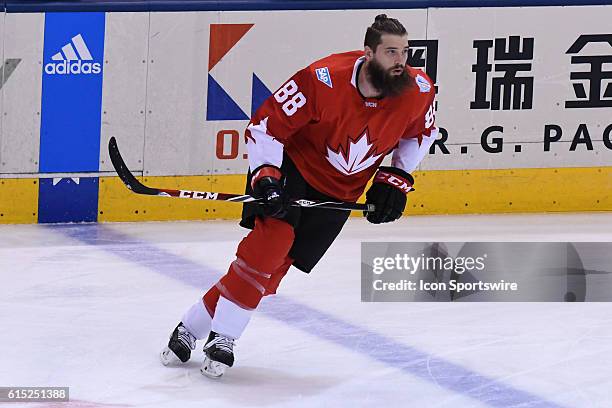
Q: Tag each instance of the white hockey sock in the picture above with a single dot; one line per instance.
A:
(197, 320)
(230, 320)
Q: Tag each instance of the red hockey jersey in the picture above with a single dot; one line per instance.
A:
(337, 138)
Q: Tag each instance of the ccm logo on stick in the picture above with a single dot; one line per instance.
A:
(198, 195)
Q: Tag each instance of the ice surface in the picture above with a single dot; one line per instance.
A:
(90, 307)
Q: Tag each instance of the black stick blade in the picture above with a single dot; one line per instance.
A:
(124, 173)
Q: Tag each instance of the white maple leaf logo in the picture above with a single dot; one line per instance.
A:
(356, 157)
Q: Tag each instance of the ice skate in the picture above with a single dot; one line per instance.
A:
(179, 347)
(218, 355)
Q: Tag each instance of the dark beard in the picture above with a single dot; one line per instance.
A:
(385, 82)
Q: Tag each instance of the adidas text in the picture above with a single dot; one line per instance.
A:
(72, 67)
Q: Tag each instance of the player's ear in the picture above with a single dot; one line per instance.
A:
(368, 52)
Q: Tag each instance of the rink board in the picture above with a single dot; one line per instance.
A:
(539, 190)
(524, 112)
(439, 192)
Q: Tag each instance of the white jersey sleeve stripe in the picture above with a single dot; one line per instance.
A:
(408, 154)
(263, 148)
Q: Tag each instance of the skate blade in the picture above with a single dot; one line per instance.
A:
(212, 369)
(168, 357)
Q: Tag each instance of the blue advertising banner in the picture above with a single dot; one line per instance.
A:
(71, 92)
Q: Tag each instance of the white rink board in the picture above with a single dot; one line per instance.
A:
(124, 89)
(456, 30)
(176, 142)
(21, 94)
(158, 108)
(179, 140)
(313, 35)
(2, 136)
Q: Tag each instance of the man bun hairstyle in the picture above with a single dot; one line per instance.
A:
(382, 25)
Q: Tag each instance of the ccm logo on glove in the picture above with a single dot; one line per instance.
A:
(388, 194)
(394, 180)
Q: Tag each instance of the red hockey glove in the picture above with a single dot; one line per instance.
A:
(267, 183)
(388, 194)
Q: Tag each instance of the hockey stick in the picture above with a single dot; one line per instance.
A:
(137, 187)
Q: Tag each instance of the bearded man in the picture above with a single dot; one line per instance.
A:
(322, 136)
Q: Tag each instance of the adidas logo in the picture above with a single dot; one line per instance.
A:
(72, 59)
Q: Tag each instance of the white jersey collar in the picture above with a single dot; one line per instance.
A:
(359, 61)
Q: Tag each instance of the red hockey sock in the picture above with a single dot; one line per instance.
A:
(277, 276)
(261, 263)
(210, 300)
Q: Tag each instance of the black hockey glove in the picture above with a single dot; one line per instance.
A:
(388, 194)
(267, 184)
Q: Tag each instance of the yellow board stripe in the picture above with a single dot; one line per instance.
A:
(117, 203)
(18, 201)
(508, 191)
(437, 192)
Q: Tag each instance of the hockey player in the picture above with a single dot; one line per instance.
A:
(322, 135)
